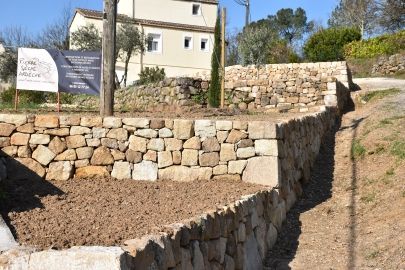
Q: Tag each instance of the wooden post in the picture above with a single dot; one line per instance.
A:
(16, 100)
(142, 51)
(223, 51)
(108, 69)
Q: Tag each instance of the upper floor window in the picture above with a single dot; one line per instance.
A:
(154, 42)
(188, 43)
(204, 45)
(196, 9)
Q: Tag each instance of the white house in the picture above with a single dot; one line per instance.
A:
(181, 33)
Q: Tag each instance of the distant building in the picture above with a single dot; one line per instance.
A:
(180, 31)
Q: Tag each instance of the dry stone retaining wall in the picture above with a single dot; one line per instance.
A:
(389, 65)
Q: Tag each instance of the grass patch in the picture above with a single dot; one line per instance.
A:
(379, 94)
(390, 172)
(358, 150)
(369, 198)
(386, 122)
(380, 149)
(398, 149)
(372, 255)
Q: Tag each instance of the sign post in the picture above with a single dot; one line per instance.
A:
(16, 99)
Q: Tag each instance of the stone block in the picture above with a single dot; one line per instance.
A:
(263, 170)
(223, 125)
(236, 167)
(5, 141)
(176, 157)
(90, 171)
(19, 139)
(110, 143)
(117, 155)
(267, 147)
(165, 159)
(69, 154)
(121, 170)
(99, 132)
(75, 141)
(61, 171)
(61, 132)
(21, 168)
(157, 124)
(10, 151)
(222, 136)
(69, 120)
(82, 163)
(118, 133)
(40, 139)
(7, 240)
(43, 155)
(189, 157)
(15, 119)
(150, 155)
(183, 129)
(112, 122)
(133, 156)
(146, 133)
(209, 159)
(84, 152)
(137, 144)
(46, 121)
(79, 130)
(241, 125)
(173, 144)
(91, 121)
(146, 170)
(185, 174)
(24, 151)
(211, 145)
(165, 133)
(136, 122)
(93, 142)
(102, 156)
(26, 128)
(247, 152)
(235, 136)
(193, 143)
(264, 130)
(205, 128)
(57, 146)
(6, 129)
(227, 152)
(220, 170)
(156, 144)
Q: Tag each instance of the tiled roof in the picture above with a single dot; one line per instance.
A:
(94, 14)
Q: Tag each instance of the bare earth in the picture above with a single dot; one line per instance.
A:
(107, 212)
(352, 213)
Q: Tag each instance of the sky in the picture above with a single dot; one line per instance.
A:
(34, 15)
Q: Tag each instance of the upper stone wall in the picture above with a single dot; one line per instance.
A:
(389, 65)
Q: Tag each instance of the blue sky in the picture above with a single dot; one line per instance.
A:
(33, 15)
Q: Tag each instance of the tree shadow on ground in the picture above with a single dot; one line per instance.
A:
(22, 190)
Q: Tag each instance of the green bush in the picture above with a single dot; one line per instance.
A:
(25, 97)
(214, 92)
(328, 44)
(151, 75)
(382, 45)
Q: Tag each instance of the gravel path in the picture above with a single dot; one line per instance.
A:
(379, 83)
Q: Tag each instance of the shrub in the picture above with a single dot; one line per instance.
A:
(25, 97)
(382, 45)
(151, 75)
(328, 44)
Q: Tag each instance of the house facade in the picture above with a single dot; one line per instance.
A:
(181, 34)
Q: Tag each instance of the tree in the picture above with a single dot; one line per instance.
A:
(328, 44)
(254, 44)
(355, 13)
(215, 85)
(232, 55)
(86, 38)
(292, 25)
(129, 42)
(56, 35)
(392, 15)
(281, 52)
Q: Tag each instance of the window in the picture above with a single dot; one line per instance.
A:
(154, 42)
(204, 45)
(196, 9)
(188, 43)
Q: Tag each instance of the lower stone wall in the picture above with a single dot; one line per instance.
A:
(389, 65)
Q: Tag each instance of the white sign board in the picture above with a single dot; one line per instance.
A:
(36, 70)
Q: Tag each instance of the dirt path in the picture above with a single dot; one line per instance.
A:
(352, 214)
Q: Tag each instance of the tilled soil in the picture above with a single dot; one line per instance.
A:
(105, 211)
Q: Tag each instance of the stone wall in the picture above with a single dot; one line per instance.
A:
(389, 65)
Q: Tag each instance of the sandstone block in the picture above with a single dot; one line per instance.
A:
(136, 122)
(24, 151)
(43, 155)
(121, 170)
(235, 136)
(146, 170)
(173, 144)
(236, 167)
(79, 130)
(266, 147)
(84, 152)
(99, 132)
(137, 144)
(69, 154)
(102, 156)
(241, 125)
(227, 152)
(220, 170)
(263, 170)
(46, 121)
(40, 139)
(75, 141)
(117, 155)
(10, 151)
(69, 120)
(146, 133)
(193, 143)
(165, 159)
(90, 171)
(15, 119)
(246, 152)
(26, 128)
(205, 128)
(165, 133)
(189, 157)
(82, 163)
(211, 145)
(222, 136)
(21, 168)
(176, 157)
(209, 159)
(245, 143)
(112, 122)
(263, 130)
(6, 129)
(61, 132)
(93, 142)
(57, 146)
(91, 121)
(118, 133)
(150, 155)
(133, 156)
(223, 125)
(4, 141)
(183, 129)
(19, 139)
(60, 171)
(157, 124)
(110, 143)
(156, 144)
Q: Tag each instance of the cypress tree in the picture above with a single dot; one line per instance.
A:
(215, 85)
